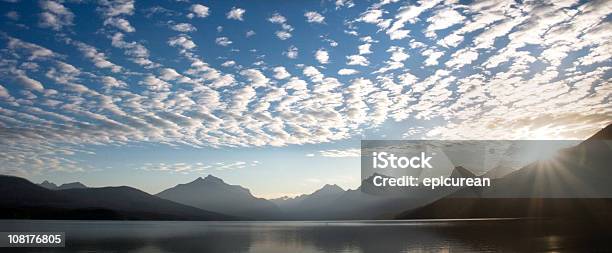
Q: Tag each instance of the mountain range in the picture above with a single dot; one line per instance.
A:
(22, 199)
(583, 170)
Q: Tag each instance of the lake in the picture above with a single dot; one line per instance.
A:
(319, 236)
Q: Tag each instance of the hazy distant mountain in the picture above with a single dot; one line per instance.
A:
(314, 205)
(566, 186)
(211, 193)
(52, 186)
(366, 202)
(20, 198)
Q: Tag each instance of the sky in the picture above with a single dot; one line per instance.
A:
(276, 95)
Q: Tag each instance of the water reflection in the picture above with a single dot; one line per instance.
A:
(272, 237)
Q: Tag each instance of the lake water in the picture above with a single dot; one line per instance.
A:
(337, 236)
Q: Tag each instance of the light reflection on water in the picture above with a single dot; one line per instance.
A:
(320, 236)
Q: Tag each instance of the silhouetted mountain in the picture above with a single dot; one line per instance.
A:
(211, 193)
(73, 185)
(574, 184)
(52, 186)
(20, 198)
(48, 185)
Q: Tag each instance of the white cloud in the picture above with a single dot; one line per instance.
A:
(281, 73)
(155, 84)
(314, 17)
(322, 56)
(29, 83)
(292, 52)
(99, 59)
(344, 3)
(182, 41)
(113, 12)
(250, 33)
(432, 57)
(371, 16)
(283, 35)
(357, 60)
(341, 153)
(365, 49)
(255, 76)
(345, 72)
(228, 64)
(198, 10)
(184, 27)
(279, 19)
(55, 15)
(111, 82)
(223, 41)
(236, 14)
(443, 19)
(120, 23)
(461, 58)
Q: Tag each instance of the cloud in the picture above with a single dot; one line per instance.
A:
(281, 73)
(223, 41)
(120, 23)
(283, 35)
(461, 58)
(371, 16)
(346, 72)
(279, 19)
(28, 82)
(365, 48)
(250, 33)
(443, 19)
(322, 56)
(314, 17)
(198, 10)
(344, 3)
(432, 57)
(357, 60)
(182, 41)
(235, 13)
(110, 82)
(196, 167)
(114, 12)
(255, 76)
(228, 64)
(139, 53)
(99, 59)
(184, 27)
(292, 52)
(54, 15)
(341, 153)
(155, 84)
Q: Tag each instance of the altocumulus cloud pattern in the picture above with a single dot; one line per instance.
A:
(244, 74)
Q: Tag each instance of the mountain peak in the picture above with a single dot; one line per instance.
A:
(208, 179)
(329, 189)
(48, 185)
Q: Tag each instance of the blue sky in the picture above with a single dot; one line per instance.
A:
(276, 95)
